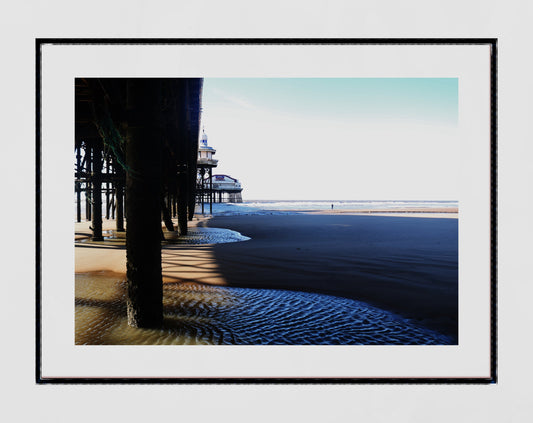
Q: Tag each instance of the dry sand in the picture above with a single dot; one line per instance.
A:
(405, 265)
(180, 263)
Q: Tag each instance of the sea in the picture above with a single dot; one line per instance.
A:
(281, 207)
(293, 207)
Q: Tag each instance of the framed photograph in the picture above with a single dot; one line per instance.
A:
(324, 210)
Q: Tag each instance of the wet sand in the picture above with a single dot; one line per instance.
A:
(200, 314)
(448, 212)
(403, 265)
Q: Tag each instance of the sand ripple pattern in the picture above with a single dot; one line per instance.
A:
(198, 314)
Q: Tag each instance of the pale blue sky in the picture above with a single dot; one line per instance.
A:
(398, 134)
(432, 99)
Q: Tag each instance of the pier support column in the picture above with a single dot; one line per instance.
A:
(88, 183)
(183, 185)
(119, 196)
(210, 190)
(202, 188)
(78, 185)
(78, 202)
(143, 195)
(120, 206)
(97, 195)
(191, 181)
(166, 213)
(107, 191)
(174, 206)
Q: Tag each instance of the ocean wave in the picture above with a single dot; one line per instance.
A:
(292, 207)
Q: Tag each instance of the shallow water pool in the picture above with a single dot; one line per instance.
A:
(196, 314)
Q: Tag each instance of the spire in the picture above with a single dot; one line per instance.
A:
(203, 139)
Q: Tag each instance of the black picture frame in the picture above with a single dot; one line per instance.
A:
(492, 42)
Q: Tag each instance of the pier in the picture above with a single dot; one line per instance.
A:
(213, 188)
(136, 146)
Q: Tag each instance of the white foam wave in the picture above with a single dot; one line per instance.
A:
(291, 207)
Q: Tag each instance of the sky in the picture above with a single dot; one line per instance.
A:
(335, 138)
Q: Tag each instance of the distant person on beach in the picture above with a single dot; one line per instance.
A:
(332, 207)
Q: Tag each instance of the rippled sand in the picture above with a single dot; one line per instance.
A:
(201, 314)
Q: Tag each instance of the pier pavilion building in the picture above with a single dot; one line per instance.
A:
(204, 181)
(226, 189)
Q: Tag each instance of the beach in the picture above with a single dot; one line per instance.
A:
(404, 263)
